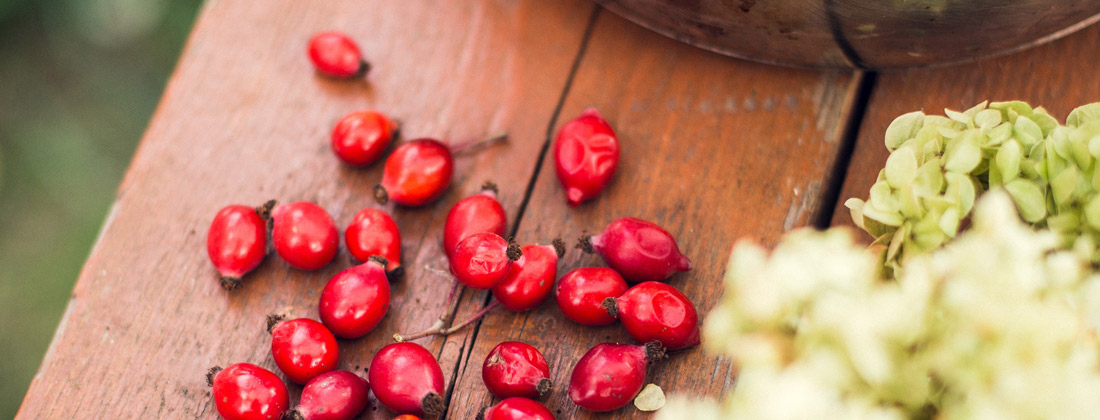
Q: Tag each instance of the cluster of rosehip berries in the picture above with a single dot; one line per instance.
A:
(404, 376)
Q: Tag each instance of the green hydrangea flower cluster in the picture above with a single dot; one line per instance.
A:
(938, 165)
(1001, 323)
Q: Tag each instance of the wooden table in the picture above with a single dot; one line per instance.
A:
(714, 149)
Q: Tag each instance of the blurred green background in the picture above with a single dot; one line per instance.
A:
(79, 80)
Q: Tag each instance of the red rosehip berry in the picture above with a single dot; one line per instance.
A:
(586, 155)
(406, 417)
(355, 300)
(373, 232)
(247, 392)
(610, 375)
(304, 235)
(237, 241)
(483, 260)
(416, 173)
(639, 250)
(407, 379)
(336, 395)
(361, 137)
(302, 348)
(477, 213)
(515, 369)
(336, 55)
(517, 408)
(531, 278)
(654, 311)
(581, 292)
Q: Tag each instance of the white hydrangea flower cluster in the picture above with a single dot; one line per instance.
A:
(999, 324)
(938, 165)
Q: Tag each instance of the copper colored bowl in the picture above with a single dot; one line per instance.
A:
(874, 34)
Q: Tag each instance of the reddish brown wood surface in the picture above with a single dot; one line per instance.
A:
(1058, 76)
(245, 119)
(714, 149)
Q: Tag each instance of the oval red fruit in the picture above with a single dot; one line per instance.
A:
(237, 241)
(304, 235)
(373, 232)
(517, 408)
(531, 278)
(477, 213)
(336, 395)
(416, 173)
(610, 375)
(407, 380)
(361, 137)
(244, 391)
(638, 250)
(303, 348)
(483, 260)
(581, 292)
(515, 369)
(586, 155)
(355, 300)
(334, 54)
(656, 311)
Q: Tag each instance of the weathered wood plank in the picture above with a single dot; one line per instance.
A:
(1058, 76)
(714, 149)
(245, 119)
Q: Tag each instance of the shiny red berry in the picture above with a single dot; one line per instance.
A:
(416, 173)
(355, 300)
(610, 375)
(517, 408)
(336, 395)
(304, 235)
(406, 417)
(586, 155)
(581, 292)
(483, 260)
(247, 392)
(407, 380)
(361, 137)
(336, 55)
(302, 348)
(237, 241)
(656, 311)
(638, 250)
(477, 213)
(515, 369)
(373, 232)
(531, 278)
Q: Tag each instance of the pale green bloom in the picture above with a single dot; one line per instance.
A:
(998, 324)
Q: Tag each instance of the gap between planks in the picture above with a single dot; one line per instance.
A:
(849, 134)
(460, 367)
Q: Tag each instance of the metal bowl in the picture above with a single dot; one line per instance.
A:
(873, 34)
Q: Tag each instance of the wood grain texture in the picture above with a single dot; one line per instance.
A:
(1058, 76)
(245, 119)
(714, 149)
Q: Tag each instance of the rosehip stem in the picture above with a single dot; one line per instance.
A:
(444, 319)
(467, 146)
(437, 328)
